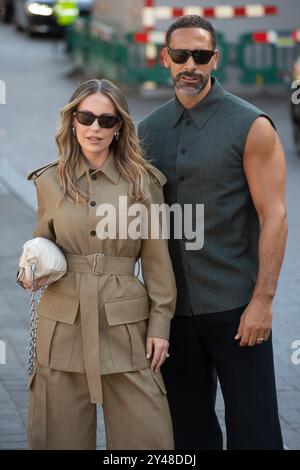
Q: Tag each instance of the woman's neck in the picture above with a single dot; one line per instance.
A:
(96, 161)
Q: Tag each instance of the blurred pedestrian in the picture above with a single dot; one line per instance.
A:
(102, 334)
(218, 150)
(66, 12)
(295, 105)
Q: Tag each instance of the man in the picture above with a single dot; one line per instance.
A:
(66, 13)
(220, 151)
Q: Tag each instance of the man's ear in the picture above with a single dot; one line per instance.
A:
(215, 60)
(165, 58)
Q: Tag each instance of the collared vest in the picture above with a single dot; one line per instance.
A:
(200, 151)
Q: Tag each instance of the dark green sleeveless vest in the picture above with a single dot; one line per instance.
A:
(201, 153)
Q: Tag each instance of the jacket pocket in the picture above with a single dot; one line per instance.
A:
(130, 310)
(127, 321)
(58, 307)
(67, 285)
(56, 330)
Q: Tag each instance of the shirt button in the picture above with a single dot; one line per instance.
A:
(181, 178)
(93, 203)
(183, 150)
(188, 122)
(94, 177)
(93, 233)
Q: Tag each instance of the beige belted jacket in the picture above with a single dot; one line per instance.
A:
(96, 318)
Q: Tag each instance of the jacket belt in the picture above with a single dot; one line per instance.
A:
(90, 266)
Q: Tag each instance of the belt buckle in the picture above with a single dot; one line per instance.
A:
(95, 262)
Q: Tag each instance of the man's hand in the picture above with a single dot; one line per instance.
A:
(159, 347)
(255, 324)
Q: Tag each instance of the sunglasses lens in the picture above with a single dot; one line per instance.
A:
(84, 118)
(107, 121)
(179, 56)
(202, 56)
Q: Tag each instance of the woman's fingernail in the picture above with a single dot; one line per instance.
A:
(148, 355)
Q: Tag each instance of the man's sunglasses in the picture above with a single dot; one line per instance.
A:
(106, 121)
(200, 56)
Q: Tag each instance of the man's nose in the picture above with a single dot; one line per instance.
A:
(190, 64)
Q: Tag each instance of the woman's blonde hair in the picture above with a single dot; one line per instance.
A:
(128, 154)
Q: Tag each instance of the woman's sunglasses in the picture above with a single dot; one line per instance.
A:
(107, 121)
(200, 56)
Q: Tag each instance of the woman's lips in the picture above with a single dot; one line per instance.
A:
(94, 140)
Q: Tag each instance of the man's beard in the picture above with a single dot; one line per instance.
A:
(190, 89)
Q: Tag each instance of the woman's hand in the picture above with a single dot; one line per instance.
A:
(38, 283)
(159, 348)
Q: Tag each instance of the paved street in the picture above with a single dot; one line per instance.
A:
(38, 82)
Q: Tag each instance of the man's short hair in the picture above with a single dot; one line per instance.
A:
(192, 21)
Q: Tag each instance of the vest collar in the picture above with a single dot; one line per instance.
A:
(203, 110)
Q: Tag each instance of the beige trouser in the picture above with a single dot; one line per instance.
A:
(135, 407)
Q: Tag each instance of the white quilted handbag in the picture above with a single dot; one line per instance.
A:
(45, 256)
(40, 257)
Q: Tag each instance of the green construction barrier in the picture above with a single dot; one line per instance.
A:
(138, 69)
(266, 63)
(96, 49)
(78, 38)
(223, 61)
(106, 55)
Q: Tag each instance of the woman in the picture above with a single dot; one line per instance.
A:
(102, 334)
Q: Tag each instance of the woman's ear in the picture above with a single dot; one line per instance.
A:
(73, 120)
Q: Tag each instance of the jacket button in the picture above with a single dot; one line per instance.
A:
(183, 150)
(94, 177)
(93, 233)
(181, 178)
(93, 203)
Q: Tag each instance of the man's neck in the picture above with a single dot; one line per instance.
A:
(189, 102)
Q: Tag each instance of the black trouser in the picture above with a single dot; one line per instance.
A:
(201, 348)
